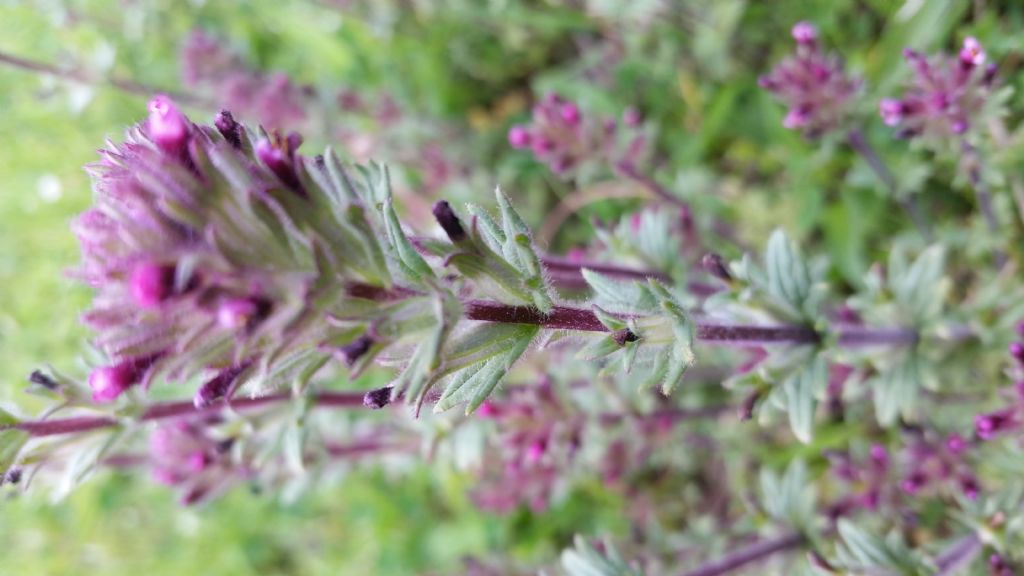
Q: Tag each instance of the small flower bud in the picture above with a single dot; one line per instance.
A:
(988, 425)
(891, 111)
(109, 382)
(623, 336)
(570, 113)
(715, 265)
(13, 476)
(217, 387)
(914, 483)
(542, 146)
(804, 33)
(956, 444)
(237, 313)
(167, 126)
(536, 451)
(972, 54)
(41, 379)
(487, 410)
(796, 118)
(746, 410)
(519, 137)
(446, 217)
(355, 349)
(1017, 351)
(228, 128)
(151, 283)
(279, 163)
(631, 117)
(879, 456)
(377, 399)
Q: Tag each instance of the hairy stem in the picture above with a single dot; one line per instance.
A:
(80, 424)
(860, 145)
(756, 551)
(981, 191)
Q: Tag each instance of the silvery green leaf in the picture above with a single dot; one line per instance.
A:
(896, 391)
(489, 230)
(618, 296)
(919, 287)
(599, 347)
(865, 550)
(586, 560)
(801, 388)
(474, 381)
(11, 443)
(413, 264)
(790, 499)
(789, 279)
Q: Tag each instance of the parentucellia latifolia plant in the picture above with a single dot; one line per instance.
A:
(227, 263)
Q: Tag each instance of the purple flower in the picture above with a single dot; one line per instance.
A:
(946, 96)
(564, 138)
(151, 283)
(109, 382)
(167, 126)
(987, 426)
(812, 84)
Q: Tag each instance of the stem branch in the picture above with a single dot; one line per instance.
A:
(860, 145)
(756, 551)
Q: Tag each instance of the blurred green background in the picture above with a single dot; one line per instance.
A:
(693, 74)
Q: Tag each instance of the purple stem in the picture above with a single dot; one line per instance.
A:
(756, 551)
(630, 171)
(984, 197)
(80, 424)
(860, 145)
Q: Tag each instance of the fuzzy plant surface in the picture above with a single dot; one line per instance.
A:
(300, 287)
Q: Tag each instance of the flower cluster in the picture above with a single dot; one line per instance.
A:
(185, 454)
(813, 84)
(538, 442)
(946, 97)
(564, 138)
(271, 100)
(198, 264)
(989, 425)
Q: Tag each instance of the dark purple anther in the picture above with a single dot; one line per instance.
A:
(449, 221)
(280, 163)
(217, 387)
(228, 128)
(377, 399)
(355, 349)
(715, 265)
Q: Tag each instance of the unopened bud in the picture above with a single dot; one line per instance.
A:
(377, 399)
(446, 217)
(715, 265)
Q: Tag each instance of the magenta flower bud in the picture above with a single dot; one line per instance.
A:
(542, 146)
(167, 126)
(914, 483)
(1020, 329)
(956, 444)
(151, 283)
(960, 126)
(228, 128)
(796, 118)
(236, 313)
(891, 111)
(109, 382)
(972, 54)
(804, 33)
(970, 487)
(570, 114)
(487, 410)
(879, 456)
(988, 425)
(279, 163)
(1017, 351)
(519, 137)
(198, 461)
(631, 117)
(536, 451)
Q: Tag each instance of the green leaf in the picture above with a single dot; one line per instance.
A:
(618, 296)
(11, 443)
(413, 263)
(586, 560)
(789, 279)
(801, 388)
(491, 351)
(896, 391)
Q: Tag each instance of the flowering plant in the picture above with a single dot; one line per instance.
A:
(308, 316)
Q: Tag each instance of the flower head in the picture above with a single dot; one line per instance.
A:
(812, 84)
(946, 96)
